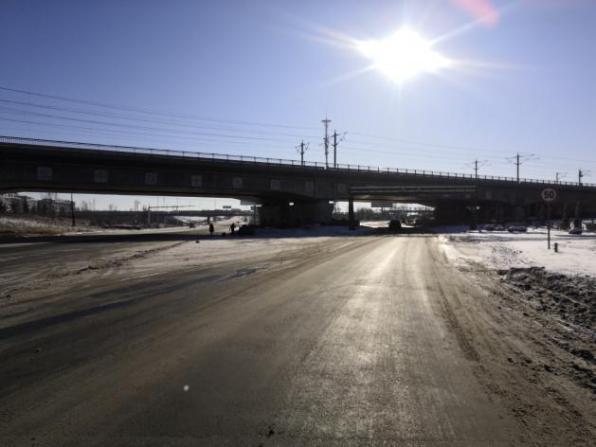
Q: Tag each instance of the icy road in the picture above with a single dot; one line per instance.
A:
(371, 340)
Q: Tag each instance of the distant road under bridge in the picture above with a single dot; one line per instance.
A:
(288, 191)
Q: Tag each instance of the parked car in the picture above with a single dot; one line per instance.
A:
(499, 227)
(488, 227)
(576, 230)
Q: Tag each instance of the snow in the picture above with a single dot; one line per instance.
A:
(504, 250)
(267, 248)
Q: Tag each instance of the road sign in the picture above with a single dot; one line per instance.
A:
(549, 195)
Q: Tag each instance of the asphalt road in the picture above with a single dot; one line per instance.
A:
(367, 341)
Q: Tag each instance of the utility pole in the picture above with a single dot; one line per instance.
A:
(518, 160)
(335, 149)
(336, 140)
(559, 176)
(326, 123)
(580, 175)
(477, 164)
(302, 148)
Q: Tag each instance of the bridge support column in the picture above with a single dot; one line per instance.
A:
(351, 220)
(577, 221)
(564, 217)
(452, 213)
(519, 213)
(294, 214)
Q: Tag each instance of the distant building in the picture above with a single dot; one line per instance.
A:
(17, 204)
(53, 207)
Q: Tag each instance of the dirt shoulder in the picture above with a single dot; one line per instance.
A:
(531, 337)
(40, 226)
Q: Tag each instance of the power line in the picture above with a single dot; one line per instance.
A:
(131, 118)
(145, 111)
(456, 147)
(121, 108)
(168, 127)
(135, 126)
(128, 133)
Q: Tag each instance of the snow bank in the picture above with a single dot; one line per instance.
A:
(504, 250)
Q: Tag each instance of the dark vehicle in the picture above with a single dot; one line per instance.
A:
(576, 230)
(394, 225)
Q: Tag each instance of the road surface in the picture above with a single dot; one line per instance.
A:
(343, 341)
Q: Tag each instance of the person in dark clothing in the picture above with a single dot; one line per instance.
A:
(232, 228)
(211, 229)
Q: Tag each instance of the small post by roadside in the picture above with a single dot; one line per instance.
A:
(548, 225)
(548, 195)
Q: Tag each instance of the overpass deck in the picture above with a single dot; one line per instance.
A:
(8, 142)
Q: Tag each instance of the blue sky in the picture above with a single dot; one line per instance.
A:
(523, 83)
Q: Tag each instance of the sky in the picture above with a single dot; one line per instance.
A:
(257, 77)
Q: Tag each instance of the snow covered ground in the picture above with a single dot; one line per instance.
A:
(504, 250)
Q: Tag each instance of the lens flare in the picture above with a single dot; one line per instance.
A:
(403, 55)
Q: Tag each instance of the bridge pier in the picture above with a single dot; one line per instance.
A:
(294, 214)
(351, 220)
(452, 213)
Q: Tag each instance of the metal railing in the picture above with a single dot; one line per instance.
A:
(273, 161)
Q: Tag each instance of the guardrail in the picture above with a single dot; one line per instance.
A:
(273, 161)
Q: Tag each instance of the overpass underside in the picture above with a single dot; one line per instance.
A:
(289, 193)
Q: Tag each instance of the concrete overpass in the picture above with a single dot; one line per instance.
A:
(289, 192)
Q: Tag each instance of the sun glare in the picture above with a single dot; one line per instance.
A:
(403, 55)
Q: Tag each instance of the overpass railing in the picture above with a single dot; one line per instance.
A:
(272, 161)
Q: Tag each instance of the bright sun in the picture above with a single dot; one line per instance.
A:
(403, 55)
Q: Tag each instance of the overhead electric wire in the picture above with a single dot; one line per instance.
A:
(203, 140)
(234, 136)
(147, 111)
(145, 120)
(459, 148)
(134, 126)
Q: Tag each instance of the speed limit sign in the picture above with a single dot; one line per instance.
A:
(549, 195)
